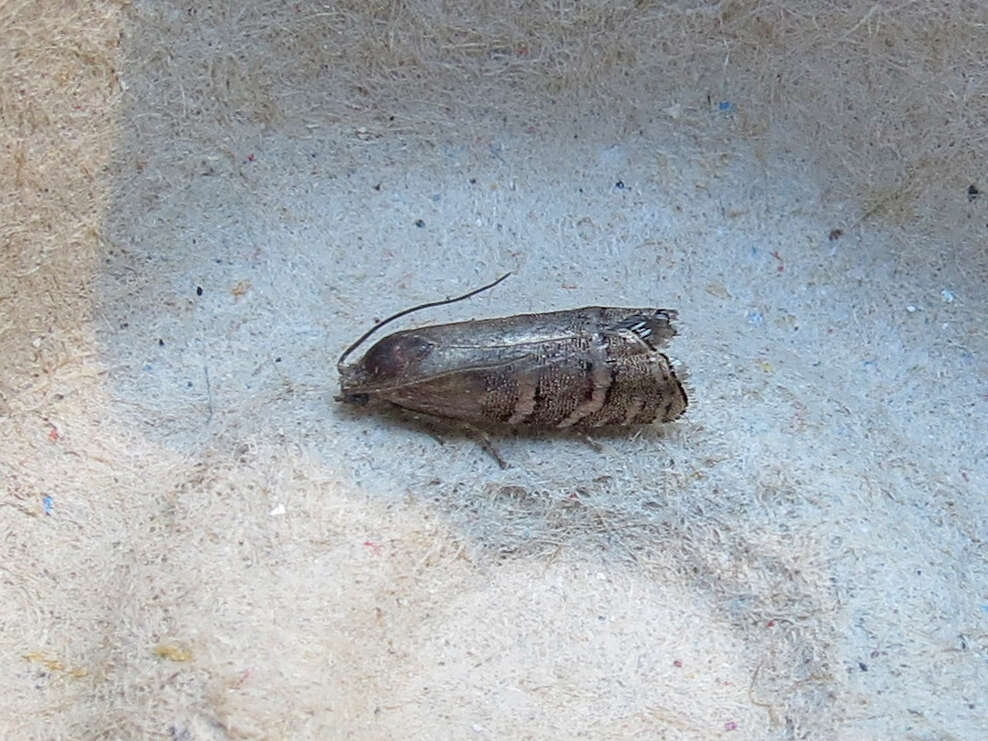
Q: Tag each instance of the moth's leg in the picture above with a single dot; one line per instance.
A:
(428, 423)
(596, 446)
(433, 426)
(484, 441)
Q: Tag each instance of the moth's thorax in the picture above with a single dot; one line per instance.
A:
(397, 356)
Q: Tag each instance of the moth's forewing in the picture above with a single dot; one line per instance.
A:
(525, 329)
(465, 395)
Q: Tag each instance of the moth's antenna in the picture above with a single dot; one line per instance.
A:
(400, 314)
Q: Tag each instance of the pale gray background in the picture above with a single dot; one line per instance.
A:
(199, 543)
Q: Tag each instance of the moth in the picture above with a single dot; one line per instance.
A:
(583, 368)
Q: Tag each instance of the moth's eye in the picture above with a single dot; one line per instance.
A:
(396, 355)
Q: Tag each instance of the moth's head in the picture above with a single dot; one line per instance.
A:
(391, 362)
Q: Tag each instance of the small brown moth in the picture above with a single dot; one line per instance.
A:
(580, 368)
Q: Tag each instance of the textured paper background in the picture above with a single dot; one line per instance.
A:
(205, 203)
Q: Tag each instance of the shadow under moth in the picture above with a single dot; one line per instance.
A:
(581, 368)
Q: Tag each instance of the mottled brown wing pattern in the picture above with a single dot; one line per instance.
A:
(612, 379)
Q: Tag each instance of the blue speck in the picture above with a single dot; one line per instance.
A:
(436, 198)
(984, 608)
(754, 250)
(756, 318)
(726, 106)
(48, 503)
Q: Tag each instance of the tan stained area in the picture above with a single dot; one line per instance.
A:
(203, 203)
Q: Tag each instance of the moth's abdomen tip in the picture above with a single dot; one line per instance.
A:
(685, 392)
